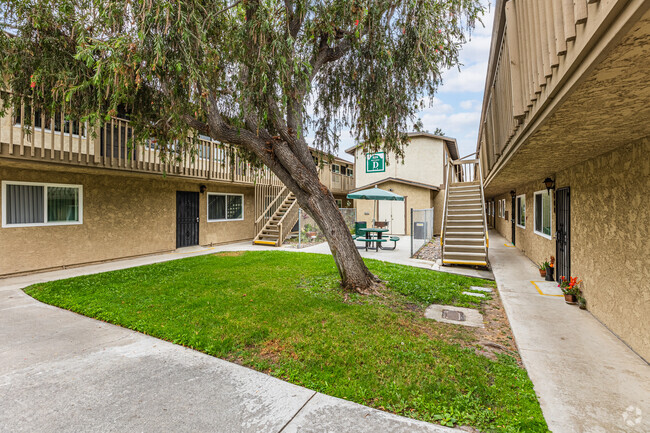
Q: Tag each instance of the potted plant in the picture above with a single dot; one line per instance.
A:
(549, 270)
(582, 302)
(570, 288)
(542, 268)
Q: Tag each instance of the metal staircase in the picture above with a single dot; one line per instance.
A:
(464, 237)
(279, 224)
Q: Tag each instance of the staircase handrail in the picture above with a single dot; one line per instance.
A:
(443, 233)
(270, 205)
(486, 243)
(281, 234)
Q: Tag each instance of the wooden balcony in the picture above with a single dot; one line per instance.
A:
(542, 54)
(340, 184)
(111, 148)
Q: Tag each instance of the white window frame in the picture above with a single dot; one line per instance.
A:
(523, 200)
(338, 168)
(544, 235)
(225, 194)
(45, 187)
(502, 205)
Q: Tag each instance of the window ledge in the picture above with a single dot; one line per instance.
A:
(543, 235)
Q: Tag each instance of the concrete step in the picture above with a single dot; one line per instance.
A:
(456, 200)
(464, 249)
(463, 220)
(455, 227)
(465, 241)
(464, 262)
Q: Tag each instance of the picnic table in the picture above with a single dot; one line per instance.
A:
(373, 236)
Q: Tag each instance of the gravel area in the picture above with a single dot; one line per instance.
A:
(431, 251)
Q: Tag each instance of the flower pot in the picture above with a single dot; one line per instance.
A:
(570, 299)
(549, 274)
(582, 303)
(542, 273)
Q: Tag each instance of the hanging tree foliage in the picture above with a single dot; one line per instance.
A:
(259, 75)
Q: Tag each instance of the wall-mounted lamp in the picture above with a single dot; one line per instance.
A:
(203, 188)
(513, 193)
(550, 184)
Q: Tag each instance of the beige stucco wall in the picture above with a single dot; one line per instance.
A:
(122, 216)
(610, 228)
(415, 198)
(423, 162)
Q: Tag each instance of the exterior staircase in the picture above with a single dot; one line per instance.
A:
(464, 237)
(279, 225)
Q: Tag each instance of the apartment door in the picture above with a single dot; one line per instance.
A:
(563, 233)
(187, 218)
(513, 218)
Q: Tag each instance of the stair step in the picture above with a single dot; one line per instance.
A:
(260, 242)
(467, 234)
(465, 242)
(464, 262)
(456, 200)
(469, 249)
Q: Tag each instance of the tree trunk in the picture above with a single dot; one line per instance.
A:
(294, 166)
(354, 273)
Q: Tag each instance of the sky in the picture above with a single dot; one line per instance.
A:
(456, 107)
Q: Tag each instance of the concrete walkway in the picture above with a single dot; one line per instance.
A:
(401, 255)
(587, 380)
(63, 372)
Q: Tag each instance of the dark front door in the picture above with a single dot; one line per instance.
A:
(514, 220)
(563, 233)
(187, 218)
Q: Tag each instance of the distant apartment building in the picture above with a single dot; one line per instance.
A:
(564, 141)
(419, 177)
(70, 197)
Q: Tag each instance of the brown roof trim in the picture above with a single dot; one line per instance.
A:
(452, 146)
(398, 180)
(326, 154)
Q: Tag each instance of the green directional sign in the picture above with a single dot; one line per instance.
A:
(375, 162)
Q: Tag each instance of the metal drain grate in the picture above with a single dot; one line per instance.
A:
(458, 316)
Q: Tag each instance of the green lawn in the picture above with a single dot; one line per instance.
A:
(283, 313)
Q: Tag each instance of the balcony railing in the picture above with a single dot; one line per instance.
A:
(537, 47)
(54, 139)
(340, 183)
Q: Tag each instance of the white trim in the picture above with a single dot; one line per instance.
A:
(224, 194)
(49, 131)
(523, 197)
(45, 186)
(550, 208)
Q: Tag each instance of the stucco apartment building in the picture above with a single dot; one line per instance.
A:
(564, 141)
(419, 177)
(70, 197)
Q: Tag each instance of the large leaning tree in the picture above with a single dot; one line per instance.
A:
(256, 74)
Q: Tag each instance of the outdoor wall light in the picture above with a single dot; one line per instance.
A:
(512, 193)
(203, 188)
(550, 184)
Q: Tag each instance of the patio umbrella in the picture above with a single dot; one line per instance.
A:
(375, 194)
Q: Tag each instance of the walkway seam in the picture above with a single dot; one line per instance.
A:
(296, 414)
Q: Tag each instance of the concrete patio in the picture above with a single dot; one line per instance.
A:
(586, 378)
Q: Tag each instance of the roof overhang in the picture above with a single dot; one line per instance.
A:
(397, 180)
(450, 143)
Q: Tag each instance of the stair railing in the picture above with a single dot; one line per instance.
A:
(445, 206)
(289, 217)
(260, 222)
(486, 242)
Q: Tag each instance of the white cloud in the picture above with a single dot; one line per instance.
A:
(470, 104)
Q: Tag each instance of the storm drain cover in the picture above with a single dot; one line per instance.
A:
(453, 315)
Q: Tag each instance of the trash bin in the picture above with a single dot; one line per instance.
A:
(418, 230)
